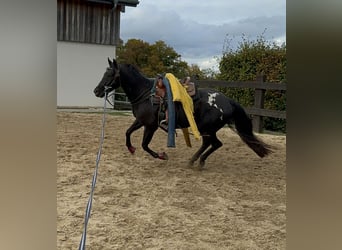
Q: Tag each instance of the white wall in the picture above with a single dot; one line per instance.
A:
(80, 67)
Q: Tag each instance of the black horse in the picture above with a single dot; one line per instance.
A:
(212, 111)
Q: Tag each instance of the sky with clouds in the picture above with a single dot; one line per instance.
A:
(197, 30)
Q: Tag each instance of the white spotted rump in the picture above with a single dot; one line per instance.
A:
(212, 102)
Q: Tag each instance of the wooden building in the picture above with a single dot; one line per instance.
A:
(88, 32)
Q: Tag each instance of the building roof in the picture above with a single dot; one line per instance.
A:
(131, 3)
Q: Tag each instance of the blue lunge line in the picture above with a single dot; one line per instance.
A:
(171, 110)
(90, 200)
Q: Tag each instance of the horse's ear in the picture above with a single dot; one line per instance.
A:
(115, 64)
(110, 63)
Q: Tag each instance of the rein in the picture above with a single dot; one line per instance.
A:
(90, 200)
(107, 98)
(142, 97)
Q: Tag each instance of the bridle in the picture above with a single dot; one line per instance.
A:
(107, 88)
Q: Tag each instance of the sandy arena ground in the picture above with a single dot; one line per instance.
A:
(237, 202)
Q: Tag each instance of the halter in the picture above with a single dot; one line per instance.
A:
(139, 99)
(117, 75)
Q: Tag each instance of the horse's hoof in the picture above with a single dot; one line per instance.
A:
(131, 149)
(191, 163)
(201, 165)
(163, 156)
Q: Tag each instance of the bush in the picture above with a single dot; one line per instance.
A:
(252, 58)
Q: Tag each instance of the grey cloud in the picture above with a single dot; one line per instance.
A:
(192, 39)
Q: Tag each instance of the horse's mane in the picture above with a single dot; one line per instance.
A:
(131, 68)
(135, 72)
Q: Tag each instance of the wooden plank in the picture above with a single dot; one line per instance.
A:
(108, 27)
(77, 21)
(72, 21)
(116, 26)
(266, 112)
(98, 25)
(60, 20)
(112, 24)
(83, 12)
(67, 22)
(103, 26)
(238, 84)
(258, 103)
(88, 25)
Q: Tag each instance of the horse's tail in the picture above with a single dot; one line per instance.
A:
(244, 127)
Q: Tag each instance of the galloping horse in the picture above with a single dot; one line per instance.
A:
(212, 111)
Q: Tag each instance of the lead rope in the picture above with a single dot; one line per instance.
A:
(107, 98)
(90, 200)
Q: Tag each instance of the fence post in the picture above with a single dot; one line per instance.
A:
(258, 103)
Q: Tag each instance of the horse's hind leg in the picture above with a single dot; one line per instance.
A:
(215, 144)
(135, 126)
(205, 144)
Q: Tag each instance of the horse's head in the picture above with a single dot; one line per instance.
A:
(109, 81)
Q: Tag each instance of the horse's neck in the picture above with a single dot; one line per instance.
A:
(136, 86)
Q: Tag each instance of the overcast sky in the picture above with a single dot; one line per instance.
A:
(197, 30)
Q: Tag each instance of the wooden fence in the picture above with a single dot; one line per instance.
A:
(257, 111)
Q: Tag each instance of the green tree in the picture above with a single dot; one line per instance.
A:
(135, 51)
(194, 71)
(152, 59)
(250, 59)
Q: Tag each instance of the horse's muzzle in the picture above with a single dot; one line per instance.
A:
(98, 93)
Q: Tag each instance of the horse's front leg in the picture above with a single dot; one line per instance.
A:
(135, 126)
(148, 134)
